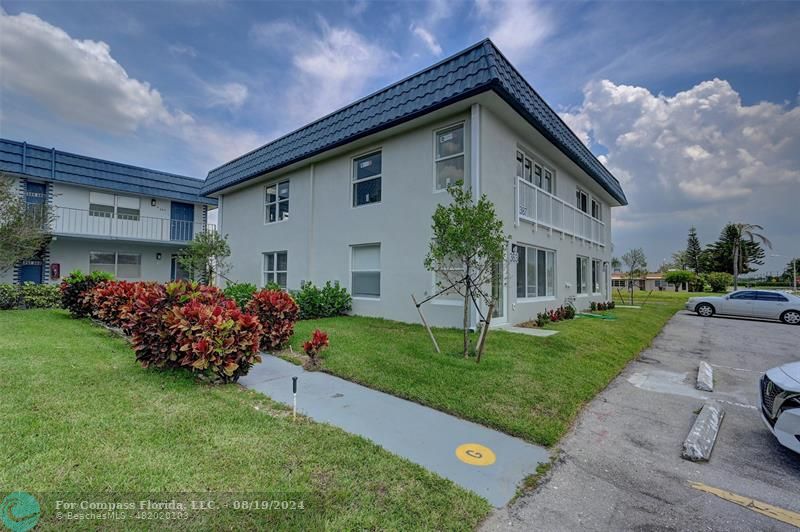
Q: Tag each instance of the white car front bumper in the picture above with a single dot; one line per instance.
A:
(786, 428)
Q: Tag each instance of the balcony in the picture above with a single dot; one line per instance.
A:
(81, 222)
(536, 206)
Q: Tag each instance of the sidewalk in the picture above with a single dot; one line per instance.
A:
(418, 433)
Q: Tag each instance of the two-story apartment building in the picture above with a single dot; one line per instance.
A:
(108, 216)
(350, 196)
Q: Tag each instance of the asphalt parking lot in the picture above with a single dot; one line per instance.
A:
(620, 466)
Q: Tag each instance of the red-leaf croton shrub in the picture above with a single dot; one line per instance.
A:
(215, 340)
(277, 311)
(313, 348)
(76, 291)
(112, 300)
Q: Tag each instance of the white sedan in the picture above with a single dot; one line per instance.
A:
(780, 403)
(765, 304)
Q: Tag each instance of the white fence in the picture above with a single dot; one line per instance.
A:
(537, 206)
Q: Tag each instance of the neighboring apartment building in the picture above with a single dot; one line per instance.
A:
(112, 217)
(649, 281)
(349, 197)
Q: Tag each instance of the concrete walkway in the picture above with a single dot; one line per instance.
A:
(420, 434)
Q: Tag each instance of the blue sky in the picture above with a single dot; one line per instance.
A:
(184, 86)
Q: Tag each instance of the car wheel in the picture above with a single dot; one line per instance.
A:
(705, 310)
(791, 317)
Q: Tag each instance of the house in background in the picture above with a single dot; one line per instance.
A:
(349, 197)
(647, 282)
(111, 217)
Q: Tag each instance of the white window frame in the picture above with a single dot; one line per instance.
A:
(582, 193)
(527, 298)
(600, 277)
(114, 213)
(275, 271)
(437, 159)
(536, 162)
(586, 277)
(599, 204)
(116, 262)
(352, 271)
(277, 202)
(354, 181)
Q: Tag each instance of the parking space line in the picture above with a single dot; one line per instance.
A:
(775, 512)
(736, 369)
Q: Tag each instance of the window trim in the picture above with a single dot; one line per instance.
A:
(275, 271)
(532, 299)
(436, 131)
(600, 276)
(536, 160)
(586, 271)
(277, 182)
(116, 261)
(380, 276)
(353, 180)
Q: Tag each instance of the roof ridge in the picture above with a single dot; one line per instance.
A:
(360, 100)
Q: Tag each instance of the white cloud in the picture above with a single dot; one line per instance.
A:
(330, 67)
(182, 49)
(80, 82)
(698, 157)
(427, 38)
(517, 27)
(231, 95)
(76, 79)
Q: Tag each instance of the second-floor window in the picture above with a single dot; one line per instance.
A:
(449, 157)
(534, 172)
(276, 202)
(111, 205)
(582, 200)
(367, 172)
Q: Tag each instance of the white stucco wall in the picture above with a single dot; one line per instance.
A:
(323, 225)
(73, 254)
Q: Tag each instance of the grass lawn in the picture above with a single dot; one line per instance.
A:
(79, 416)
(531, 387)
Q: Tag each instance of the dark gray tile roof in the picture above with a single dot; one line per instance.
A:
(477, 69)
(55, 165)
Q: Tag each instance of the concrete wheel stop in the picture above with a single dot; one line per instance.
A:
(701, 438)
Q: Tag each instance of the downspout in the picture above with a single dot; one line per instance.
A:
(311, 225)
(475, 173)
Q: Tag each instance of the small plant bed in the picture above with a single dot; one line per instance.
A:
(562, 313)
(80, 416)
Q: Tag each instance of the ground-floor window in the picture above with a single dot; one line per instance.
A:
(276, 268)
(536, 272)
(582, 275)
(365, 270)
(597, 276)
(121, 265)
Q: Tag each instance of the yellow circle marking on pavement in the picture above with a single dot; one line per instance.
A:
(475, 454)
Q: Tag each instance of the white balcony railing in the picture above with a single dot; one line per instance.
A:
(69, 221)
(536, 206)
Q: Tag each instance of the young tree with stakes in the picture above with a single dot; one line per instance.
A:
(466, 251)
(636, 262)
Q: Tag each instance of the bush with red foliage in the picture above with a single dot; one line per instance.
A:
(151, 338)
(111, 301)
(76, 291)
(313, 347)
(277, 311)
(215, 340)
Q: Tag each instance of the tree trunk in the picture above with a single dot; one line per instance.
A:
(466, 315)
(736, 265)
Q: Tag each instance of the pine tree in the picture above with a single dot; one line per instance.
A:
(693, 251)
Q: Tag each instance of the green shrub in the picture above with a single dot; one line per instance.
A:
(328, 301)
(9, 296)
(76, 291)
(242, 293)
(34, 295)
(719, 281)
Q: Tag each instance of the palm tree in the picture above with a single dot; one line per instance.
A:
(743, 231)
